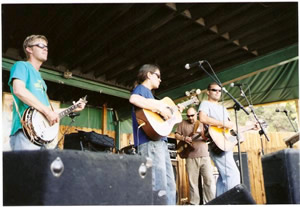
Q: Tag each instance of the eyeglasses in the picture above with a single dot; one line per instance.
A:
(190, 115)
(215, 90)
(40, 45)
(158, 75)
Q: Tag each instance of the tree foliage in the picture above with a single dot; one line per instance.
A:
(276, 121)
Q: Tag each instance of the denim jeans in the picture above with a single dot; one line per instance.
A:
(19, 141)
(229, 174)
(163, 181)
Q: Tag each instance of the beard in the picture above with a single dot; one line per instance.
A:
(191, 121)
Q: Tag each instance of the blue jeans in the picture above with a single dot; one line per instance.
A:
(18, 141)
(163, 181)
(229, 174)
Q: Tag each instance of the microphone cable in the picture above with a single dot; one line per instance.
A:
(64, 133)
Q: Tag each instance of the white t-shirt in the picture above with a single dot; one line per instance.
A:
(213, 110)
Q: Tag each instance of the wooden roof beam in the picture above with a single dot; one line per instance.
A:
(201, 21)
(171, 6)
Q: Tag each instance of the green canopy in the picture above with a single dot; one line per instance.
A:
(266, 79)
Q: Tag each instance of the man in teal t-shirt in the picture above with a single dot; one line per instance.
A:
(34, 83)
(29, 89)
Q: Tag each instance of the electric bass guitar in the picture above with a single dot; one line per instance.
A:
(37, 128)
(184, 148)
(154, 125)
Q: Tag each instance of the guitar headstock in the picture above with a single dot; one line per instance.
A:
(193, 92)
(81, 100)
(195, 100)
(193, 95)
(255, 125)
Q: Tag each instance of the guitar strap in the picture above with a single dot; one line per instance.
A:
(48, 98)
(24, 125)
(50, 102)
(196, 126)
(17, 109)
(204, 132)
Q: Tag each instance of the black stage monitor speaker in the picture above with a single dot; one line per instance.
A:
(282, 176)
(71, 177)
(237, 195)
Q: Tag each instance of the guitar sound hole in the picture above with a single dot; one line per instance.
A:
(162, 117)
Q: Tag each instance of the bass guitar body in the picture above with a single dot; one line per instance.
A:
(184, 149)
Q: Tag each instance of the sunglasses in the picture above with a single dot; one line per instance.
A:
(158, 75)
(215, 90)
(190, 115)
(40, 45)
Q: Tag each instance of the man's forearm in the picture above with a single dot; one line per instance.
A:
(28, 98)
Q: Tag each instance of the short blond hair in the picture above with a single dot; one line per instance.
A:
(30, 39)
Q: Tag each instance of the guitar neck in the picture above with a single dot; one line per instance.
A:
(67, 111)
(189, 102)
(185, 104)
(245, 128)
(196, 136)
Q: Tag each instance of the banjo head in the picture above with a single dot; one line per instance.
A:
(42, 128)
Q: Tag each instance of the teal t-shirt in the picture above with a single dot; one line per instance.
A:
(25, 72)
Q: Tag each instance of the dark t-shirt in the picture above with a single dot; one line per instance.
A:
(143, 138)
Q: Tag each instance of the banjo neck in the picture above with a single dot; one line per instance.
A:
(67, 111)
(71, 108)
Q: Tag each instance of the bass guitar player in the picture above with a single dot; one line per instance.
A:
(192, 147)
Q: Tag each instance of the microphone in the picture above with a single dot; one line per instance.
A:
(237, 84)
(189, 66)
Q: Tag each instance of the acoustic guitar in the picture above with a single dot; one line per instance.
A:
(154, 125)
(223, 139)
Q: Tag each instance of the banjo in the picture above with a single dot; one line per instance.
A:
(36, 126)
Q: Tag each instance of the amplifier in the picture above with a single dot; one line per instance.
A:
(172, 145)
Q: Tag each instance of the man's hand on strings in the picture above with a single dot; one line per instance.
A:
(180, 107)
(81, 105)
(52, 117)
(188, 139)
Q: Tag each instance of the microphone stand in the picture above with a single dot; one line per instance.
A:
(237, 107)
(261, 131)
(286, 113)
(72, 116)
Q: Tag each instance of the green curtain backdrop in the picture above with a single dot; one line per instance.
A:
(90, 117)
